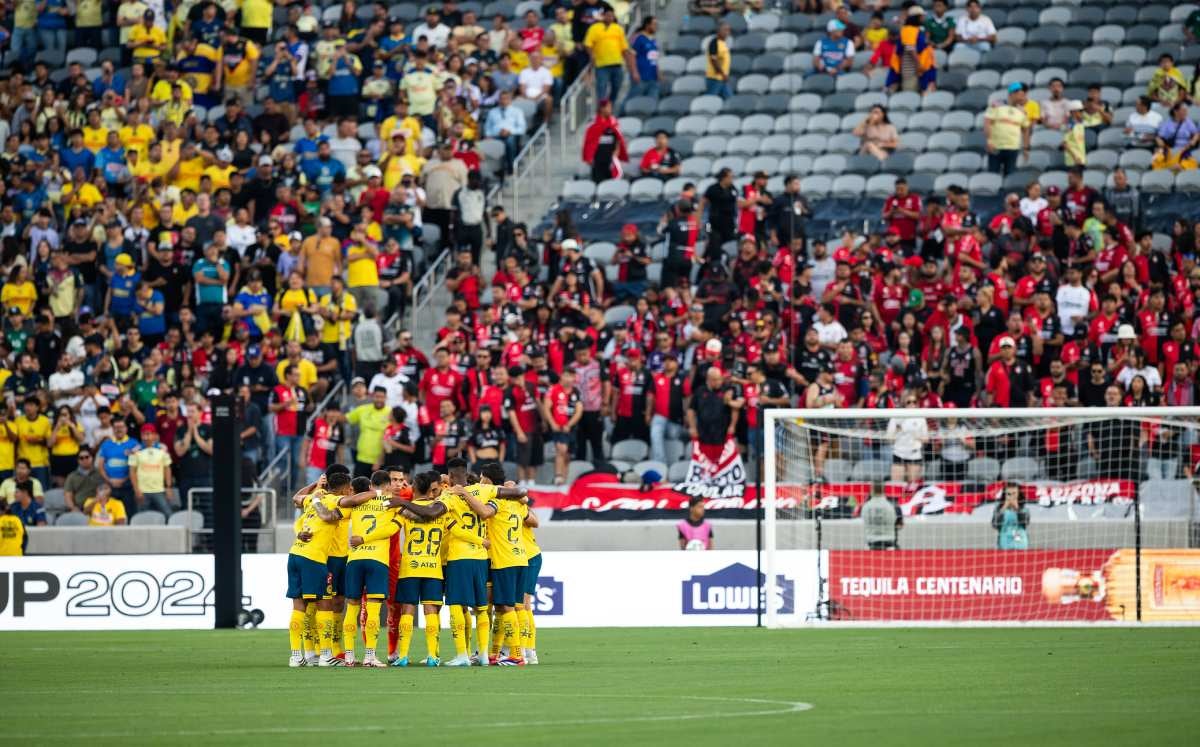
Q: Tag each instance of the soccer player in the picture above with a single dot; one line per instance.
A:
(400, 488)
(506, 554)
(311, 638)
(308, 570)
(529, 586)
(467, 561)
(420, 579)
(372, 522)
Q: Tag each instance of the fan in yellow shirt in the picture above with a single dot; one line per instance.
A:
(407, 125)
(12, 533)
(95, 134)
(104, 510)
(135, 135)
(398, 162)
(188, 170)
(146, 39)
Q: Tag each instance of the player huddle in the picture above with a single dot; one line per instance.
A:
(460, 539)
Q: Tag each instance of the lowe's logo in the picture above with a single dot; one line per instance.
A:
(548, 596)
(734, 591)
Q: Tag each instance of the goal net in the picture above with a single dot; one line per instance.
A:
(984, 515)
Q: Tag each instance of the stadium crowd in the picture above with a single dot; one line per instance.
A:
(238, 196)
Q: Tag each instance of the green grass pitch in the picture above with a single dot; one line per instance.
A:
(623, 687)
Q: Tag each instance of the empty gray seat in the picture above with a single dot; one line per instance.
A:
(843, 143)
(758, 124)
(872, 470)
(191, 519)
(706, 105)
(1136, 159)
(861, 164)
(985, 184)
(753, 84)
(724, 124)
(696, 166)
(948, 142)
(810, 144)
(983, 469)
(685, 85)
(1021, 469)
(830, 164)
(148, 519)
(817, 185)
(646, 190)
(710, 145)
(933, 162)
(828, 123)
(966, 162)
(736, 164)
(71, 519)
(578, 191)
(612, 190)
(1187, 181)
(958, 121)
(925, 122)
(937, 101)
(693, 124)
(898, 163)
(775, 144)
(804, 103)
(881, 185)
(838, 470)
(678, 471)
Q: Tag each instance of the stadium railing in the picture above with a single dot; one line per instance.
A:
(265, 529)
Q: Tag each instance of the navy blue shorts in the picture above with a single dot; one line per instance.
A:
(416, 590)
(506, 585)
(306, 578)
(466, 583)
(337, 576)
(369, 577)
(530, 576)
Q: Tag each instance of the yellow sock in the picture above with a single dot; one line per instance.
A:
(497, 634)
(532, 630)
(372, 627)
(296, 632)
(336, 618)
(483, 629)
(350, 626)
(325, 631)
(523, 625)
(311, 634)
(406, 628)
(458, 629)
(433, 625)
(512, 636)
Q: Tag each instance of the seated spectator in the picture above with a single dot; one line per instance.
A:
(81, 484)
(695, 532)
(507, 124)
(1123, 199)
(1143, 123)
(940, 26)
(1097, 114)
(876, 33)
(1033, 202)
(974, 30)
(24, 507)
(661, 161)
(1054, 109)
(878, 134)
(833, 54)
(104, 510)
(1177, 137)
(1167, 86)
(536, 84)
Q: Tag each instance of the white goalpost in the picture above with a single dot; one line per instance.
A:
(982, 516)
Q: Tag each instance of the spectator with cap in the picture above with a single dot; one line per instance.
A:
(833, 53)
(1007, 129)
(974, 30)
(604, 144)
(1009, 380)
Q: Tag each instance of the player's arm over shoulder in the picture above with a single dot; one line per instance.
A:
(350, 501)
(419, 511)
(327, 509)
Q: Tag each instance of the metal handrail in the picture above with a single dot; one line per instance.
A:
(428, 285)
(536, 148)
(268, 523)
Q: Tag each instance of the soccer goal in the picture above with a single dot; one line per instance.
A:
(1064, 515)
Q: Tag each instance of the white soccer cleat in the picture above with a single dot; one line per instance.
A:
(349, 658)
(370, 660)
(462, 660)
(296, 660)
(504, 652)
(312, 660)
(531, 656)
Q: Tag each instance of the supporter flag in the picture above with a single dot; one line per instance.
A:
(716, 465)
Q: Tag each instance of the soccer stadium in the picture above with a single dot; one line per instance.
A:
(718, 370)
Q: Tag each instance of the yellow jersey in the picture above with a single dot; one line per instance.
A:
(607, 43)
(527, 537)
(319, 547)
(12, 536)
(504, 534)
(8, 447)
(424, 542)
(374, 521)
(106, 514)
(38, 454)
(94, 138)
(308, 373)
(466, 536)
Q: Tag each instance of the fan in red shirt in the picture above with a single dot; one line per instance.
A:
(1005, 377)
(848, 374)
(1155, 322)
(441, 383)
(563, 410)
(1177, 348)
(753, 205)
(902, 211)
(1079, 197)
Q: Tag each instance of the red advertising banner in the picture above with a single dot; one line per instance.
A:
(604, 494)
(983, 585)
